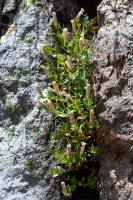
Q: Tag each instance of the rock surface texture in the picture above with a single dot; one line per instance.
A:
(24, 126)
(114, 84)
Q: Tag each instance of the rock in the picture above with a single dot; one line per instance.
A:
(113, 72)
(24, 127)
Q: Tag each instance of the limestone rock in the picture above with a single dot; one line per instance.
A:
(114, 77)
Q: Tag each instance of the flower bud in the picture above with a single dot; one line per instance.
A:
(81, 12)
(69, 60)
(39, 102)
(63, 93)
(56, 88)
(83, 144)
(70, 98)
(39, 90)
(55, 21)
(64, 189)
(68, 65)
(81, 44)
(68, 152)
(45, 70)
(88, 91)
(91, 115)
(72, 120)
(52, 108)
(44, 51)
(83, 39)
(65, 34)
(73, 25)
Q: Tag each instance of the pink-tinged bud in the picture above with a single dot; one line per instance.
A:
(68, 65)
(39, 90)
(63, 93)
(56, 88)
(64, 189)
(70, 98)
(88, 91)
(45, 70)
(83, 144)
(51, 89)
(68, 152)
(55, 21)
(91, 115)
(73, 25)
(69, 60)
(65, 34)
(81, 12)
(52, 108)
(72, 120)
(39, 102)
(83, 38)
(81, 44)
(44, 51)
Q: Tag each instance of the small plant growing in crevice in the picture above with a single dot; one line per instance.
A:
(71, 99)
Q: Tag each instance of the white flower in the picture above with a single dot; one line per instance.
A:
(55, 21)
(65, 34)
(88, 91)
(56, 88)
(52, 108)
(39, 90)
(73, 25)
(68, 152)
(44, 51)
(64, 189)
(91, 115)
(39, 102)
(81, 12)
(83, 144)
(45, 70)
(68, 65)
(72, 120)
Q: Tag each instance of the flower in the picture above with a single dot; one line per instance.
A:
(83, 144)
(73, 25)
(81, 12)
(81, 44)
(39, 102)
(65, 34)
(44, 51)
(88, 91)
(68, 64)
(45, 70)
(39, 90)
(72, 120)
(55, 21)
(56, 88)
(64, 189)
(68, 152)
(69, 97)
(52, 108)
(83, 38)
(91, 115)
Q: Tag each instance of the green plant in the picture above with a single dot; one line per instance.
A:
(71, 99)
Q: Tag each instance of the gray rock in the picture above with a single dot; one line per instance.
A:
(113, 73)
(24, 128)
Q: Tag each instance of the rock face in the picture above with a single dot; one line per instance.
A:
(24, 126)
(114, 84)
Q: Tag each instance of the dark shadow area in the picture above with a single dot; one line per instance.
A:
(68, 9)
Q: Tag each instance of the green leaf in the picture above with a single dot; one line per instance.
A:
(73, 187)
(74, 181)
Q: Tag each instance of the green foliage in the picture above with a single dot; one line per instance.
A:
(73, 140)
